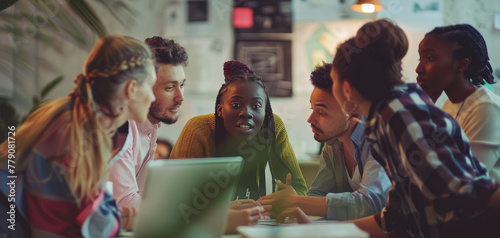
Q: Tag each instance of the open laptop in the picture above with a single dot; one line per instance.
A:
(187, 197)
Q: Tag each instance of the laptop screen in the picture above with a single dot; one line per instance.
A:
(187, 197)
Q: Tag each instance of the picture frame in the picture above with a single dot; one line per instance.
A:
(199, 20)
(270, 60)
(197, 10)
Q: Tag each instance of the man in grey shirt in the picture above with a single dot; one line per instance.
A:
(350, 184)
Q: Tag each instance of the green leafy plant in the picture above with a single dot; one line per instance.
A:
(39, 100)
(46, 24)
(9, 115)
(6, 3)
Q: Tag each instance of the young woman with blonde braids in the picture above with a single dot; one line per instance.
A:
(64, 149)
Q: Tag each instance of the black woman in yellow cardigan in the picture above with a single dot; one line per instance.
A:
(243, 125)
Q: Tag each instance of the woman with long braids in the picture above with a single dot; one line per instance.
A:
(243, 125)
(454, 59)
(64, 149)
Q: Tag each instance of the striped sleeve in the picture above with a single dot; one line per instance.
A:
(54, 211)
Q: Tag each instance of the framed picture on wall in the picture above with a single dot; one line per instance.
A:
(268, 16)
(271, 60)
(198, 20)
(197, 10)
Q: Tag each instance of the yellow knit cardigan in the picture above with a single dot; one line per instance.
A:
(197, 140)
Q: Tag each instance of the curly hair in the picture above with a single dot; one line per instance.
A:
(371, 61)
(167, 51)
(320, 77)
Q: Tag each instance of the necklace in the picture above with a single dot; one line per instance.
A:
(469, 91)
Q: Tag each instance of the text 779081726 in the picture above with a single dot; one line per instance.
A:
(11, 178)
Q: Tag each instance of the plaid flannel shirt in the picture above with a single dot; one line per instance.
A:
(436, 177)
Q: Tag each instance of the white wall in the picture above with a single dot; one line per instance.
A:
(204, 73)
(337, 18)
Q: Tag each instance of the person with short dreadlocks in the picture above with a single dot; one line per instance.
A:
(243, 125)
(454, 59)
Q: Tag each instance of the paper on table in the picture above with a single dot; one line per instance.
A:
(347, 230)
(272, 221)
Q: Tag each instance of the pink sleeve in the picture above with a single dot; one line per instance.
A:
(122, 175)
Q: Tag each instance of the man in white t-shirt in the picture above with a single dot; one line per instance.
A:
(128, 173)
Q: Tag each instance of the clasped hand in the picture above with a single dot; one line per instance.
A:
(283, 203)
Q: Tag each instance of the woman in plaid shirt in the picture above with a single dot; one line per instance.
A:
(439, 187)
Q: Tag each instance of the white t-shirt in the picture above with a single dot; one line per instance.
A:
(479, 117)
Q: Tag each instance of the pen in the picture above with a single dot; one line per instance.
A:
(260, 205)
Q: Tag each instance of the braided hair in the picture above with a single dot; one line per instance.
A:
(237, 72)
(114, 60)
(473, 47)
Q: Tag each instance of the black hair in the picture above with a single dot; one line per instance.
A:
(320, 77)
(220, 131)
(473, 47)
(165, 142)
(167, 51)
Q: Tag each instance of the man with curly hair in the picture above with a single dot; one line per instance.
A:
(127, 174)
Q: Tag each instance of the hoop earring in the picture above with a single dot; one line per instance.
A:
(349, 107)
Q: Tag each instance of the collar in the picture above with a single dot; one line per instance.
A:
(396, 91)
(147, 127)
(124, 131)
(357, 135)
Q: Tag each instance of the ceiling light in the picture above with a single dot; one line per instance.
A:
(367, 6)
